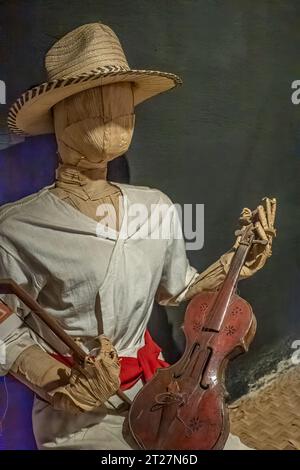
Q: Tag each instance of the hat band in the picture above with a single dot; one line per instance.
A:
(97, 70)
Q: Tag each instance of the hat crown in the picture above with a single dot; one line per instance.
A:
(83, 50)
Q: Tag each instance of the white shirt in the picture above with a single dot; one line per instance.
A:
(90, 280)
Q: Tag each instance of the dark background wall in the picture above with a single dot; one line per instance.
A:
(227, 138)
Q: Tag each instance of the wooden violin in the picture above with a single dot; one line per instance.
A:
(183, 406)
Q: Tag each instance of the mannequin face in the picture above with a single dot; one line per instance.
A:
(95, 126)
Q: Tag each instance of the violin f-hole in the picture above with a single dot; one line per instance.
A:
(203, 385)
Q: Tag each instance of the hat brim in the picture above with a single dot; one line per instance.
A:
(31, 113)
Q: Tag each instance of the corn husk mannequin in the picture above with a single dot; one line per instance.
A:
(92, 128)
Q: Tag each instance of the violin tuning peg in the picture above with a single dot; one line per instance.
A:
(260, 242)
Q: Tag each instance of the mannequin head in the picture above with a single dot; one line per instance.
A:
(95, 126)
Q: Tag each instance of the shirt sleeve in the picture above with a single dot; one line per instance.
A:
(177, 274)
(16, 341)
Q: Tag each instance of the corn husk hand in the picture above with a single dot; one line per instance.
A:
(92, 385)
(263, 219)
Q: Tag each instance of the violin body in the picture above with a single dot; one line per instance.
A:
(183, 406)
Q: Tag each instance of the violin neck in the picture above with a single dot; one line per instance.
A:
(218, 311)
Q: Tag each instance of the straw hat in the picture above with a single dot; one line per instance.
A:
(87, 57)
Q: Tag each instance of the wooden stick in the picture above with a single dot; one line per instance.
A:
(8, 286)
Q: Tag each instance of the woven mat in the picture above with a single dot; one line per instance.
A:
(270, 417)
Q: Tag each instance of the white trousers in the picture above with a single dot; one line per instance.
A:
(100, 430)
